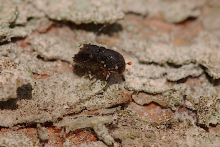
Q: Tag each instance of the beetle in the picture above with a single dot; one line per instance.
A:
(98, 58)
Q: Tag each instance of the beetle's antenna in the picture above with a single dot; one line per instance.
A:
(98, 32)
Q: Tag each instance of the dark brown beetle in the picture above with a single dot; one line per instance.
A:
(100, 59)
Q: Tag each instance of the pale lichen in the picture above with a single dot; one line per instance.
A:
(13, 76)
(86, 11)
(83, 122)
(52, 47)
(208, 110)
(172, 11)
(103, 134)
(42, 133)
(59, 95)
(7, 17)
(17, 139)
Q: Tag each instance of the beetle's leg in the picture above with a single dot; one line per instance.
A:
(93, 77)
(98, 72)
(87, 74)
(108, 77)
(121, 76)
(105, 73)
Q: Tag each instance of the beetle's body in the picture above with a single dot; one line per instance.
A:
(96, 57)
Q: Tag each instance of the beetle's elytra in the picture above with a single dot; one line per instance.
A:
(99, 58)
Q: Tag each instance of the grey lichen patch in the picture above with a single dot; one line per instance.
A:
(107, 96)
(163, 53)
(25, 10)
(39, 24)
(131, 142)
(14, 139)
(165, 95)
(56, 90)
(131, 136)
(199, 136)
(42, 132)
(155, 71)
(173, 98)
(152, 86)
(147, 78)
(172, 11)
(59, 95)
(51, 98)
(147, 71)
(166, 53)
(136, 131)
(83, 122)
(107, 111)
(17, 13)
(178, 11)
(89, 144)
(16, 54)
(51, 47)
(86, 11)
(184, 71)
(185, 118)
(103, 134)
(154, 53)
(40, 67)
(158, 59)
(13, 76)
(194, 93)
(209, 110)
(212, 63)
(88, 90)
(42, 24)
(133, 129)
(142, 70)
(8, 15)
(10, 51)
(143, 98)
(193, 136)
(205, 100)
(209, 43)
(126, 132)
(140, 7)
(159, 63)
(8, 12)
(144, 81)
